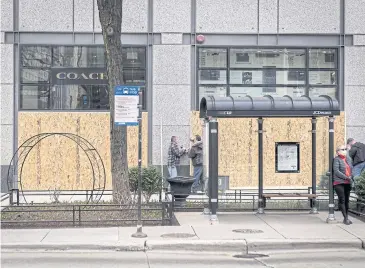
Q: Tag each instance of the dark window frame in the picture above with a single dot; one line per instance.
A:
(306, 69)
(144, 85)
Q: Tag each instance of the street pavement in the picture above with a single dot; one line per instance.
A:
(335, 258)
(271, 231)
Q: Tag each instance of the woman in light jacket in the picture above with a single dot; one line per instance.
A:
(342, 182)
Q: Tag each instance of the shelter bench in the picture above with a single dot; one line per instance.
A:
(291, 195)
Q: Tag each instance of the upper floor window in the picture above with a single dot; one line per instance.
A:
(261, 71)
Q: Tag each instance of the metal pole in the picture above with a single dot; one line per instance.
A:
(314, 166)
(261, 167)
(206, 145)
(331, 205)
(17, 197)
(139, 233)
(213, 168)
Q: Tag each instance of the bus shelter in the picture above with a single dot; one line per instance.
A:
(212, 108)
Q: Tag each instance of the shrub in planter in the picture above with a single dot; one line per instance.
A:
(151, 181)
(323, 184)
(360, 185)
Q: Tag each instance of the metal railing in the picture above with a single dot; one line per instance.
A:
(76, 215)
(247, 200)
(357, 207)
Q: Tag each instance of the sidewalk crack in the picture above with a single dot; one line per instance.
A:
(246, 246)
(271, 227)
(148, 261)
(45, 235)
(264, 264)
(351, 233)
(194, 231)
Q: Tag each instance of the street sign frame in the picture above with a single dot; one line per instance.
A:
(126, 101)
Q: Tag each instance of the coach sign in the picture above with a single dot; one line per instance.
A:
(79, 76)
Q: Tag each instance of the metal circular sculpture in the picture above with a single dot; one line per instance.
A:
(97, 165)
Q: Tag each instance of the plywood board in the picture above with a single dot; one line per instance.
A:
(238, 149)
(57, 162)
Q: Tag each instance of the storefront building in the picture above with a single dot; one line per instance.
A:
(53, 79)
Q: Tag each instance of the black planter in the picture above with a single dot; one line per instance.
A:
(181, 188)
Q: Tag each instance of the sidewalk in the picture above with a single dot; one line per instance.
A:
(274, 230)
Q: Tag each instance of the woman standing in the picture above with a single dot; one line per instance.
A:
(342, 182)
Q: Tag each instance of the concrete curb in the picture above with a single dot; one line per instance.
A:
(242, 246)
(76, 246)
(198, 245)
(286, 244)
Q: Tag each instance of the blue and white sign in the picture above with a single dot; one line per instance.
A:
(126, 105)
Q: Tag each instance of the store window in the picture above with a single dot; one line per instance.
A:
(257, 72)
(74, 77)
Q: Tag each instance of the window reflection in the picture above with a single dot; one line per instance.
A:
(41, 88)
(77, 56)
(36, 56)
(322, 58)
(316, 91)
(212, 91)
(34, 97)
(267, 71)
(79, 97)
(134, 57)
(263, 58)
(34, 76)
(213, 58)
(262, 91)
(322, 77)
(258, 77)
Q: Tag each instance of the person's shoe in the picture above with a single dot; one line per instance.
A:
(346, 222)
(349, 221)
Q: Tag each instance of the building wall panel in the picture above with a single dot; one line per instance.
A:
(171, 65)
(221, 16)
(307, 16)
(355, 16)
(7, 104)
(7, 64)
(172, 16)
(6, 12)
(45, 15)
(268, 16)
(83, 16)
(355, 105)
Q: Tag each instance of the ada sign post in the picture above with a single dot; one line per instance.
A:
(126, 109)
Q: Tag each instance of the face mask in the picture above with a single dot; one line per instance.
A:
(342, 152)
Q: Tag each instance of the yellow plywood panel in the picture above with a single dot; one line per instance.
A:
(57, 162)
(238, 149)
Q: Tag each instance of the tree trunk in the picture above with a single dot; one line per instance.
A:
(110, 13)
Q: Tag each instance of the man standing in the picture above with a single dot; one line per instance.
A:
(357, 154)
(173, 157)
(196, 155)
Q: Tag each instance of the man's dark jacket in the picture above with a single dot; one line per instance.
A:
(196, 153)
(357, 153)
